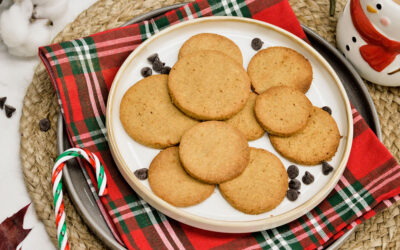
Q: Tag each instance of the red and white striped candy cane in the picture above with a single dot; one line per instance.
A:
(57, 187)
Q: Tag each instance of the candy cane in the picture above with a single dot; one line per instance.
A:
(57, 187)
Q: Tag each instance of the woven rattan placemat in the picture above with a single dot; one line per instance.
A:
(38, 149)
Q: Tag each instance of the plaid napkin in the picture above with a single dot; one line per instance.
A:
(82, 72)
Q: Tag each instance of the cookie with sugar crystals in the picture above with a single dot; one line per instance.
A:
(148, 115)
(316, 143)
(170, 182)
(210, 41)
(208, 85)
(214, 152)
(283, 110)
(261, 187)
(277, 66)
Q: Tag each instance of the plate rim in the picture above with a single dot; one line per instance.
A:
(222, 225)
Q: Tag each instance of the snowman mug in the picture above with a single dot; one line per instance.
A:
(368, 34)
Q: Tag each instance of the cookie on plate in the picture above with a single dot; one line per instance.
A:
(316, 143)
(208, 85)
(148, 115)
(277, 66)
(170, 182)
(214, 152)
(245, 121)
(209, 41)
(282, 110)
(261, 187)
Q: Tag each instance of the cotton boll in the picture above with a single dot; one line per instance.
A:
(51, 10)
(14, 25)
(38, 35)
(41, 2)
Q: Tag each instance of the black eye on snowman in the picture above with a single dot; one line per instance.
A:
(379, 6)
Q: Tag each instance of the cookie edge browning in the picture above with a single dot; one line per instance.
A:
(309, 163)
(153, 164)
(204, 117)
(302, 89)
(271, 132)
(252, 211)
(244, 165)
(215, 35)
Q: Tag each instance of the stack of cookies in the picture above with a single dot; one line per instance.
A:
(206, 106)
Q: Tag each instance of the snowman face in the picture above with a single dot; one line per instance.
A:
(384, 16)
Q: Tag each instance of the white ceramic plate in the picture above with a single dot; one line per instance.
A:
(215, 213)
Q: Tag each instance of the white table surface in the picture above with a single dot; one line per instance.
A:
(15, 76)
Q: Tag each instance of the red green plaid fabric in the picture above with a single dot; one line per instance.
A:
(82, 71)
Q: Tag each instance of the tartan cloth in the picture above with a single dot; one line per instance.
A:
(82, 71)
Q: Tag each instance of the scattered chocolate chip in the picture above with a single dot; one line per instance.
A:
(256, 43)
(293, 171)
(146, 71)
(2, 102)
(294, 184)
(44, 124)
(292, 194)
(153, 58)
(9, 110)
(326, 168)
(308, 178)
(327, 109)
(166, 70)
(141, 174)
(158, 66)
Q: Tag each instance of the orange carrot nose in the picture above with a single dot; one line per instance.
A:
(371, 9)
(397, 1)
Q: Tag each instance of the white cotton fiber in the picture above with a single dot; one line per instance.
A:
(51, 10)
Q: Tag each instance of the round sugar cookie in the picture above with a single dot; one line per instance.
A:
(209, 41)
(170, 182)
(283, 110)
(214, 152)
(261, 187)
(277, 66)
(316, 143)
(245, 121)
(148, 115)
(208, 85)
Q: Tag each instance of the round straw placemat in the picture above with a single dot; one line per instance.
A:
(39, 149)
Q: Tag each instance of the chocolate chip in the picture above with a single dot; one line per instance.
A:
(307, 178)
(158, 66)
(256, 43)
(44, 124)
(9, 110)
(292, 194)
(327, 109)
(293, 171)
(141, 174)
(2, 102)
(166, 70)
(146, 71)
(326, 168)
(294, 184)
(153, 58)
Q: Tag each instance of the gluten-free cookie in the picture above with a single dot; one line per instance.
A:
(209, 41)
(277, 66)
(282, 110)
(316, 143)
(148, 115)
(170, 182)
(208, 85)
(214, 152)
(245, 121)
(261, 187)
